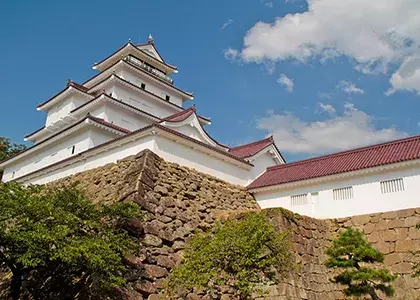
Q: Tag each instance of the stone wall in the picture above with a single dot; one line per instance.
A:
(393, 233)
(177, 200)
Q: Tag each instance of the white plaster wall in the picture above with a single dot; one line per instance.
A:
(136, 99)
(101, 159)
(119, 116)
(50, 154)
(261, 163)
(151, 86)
(63, 108)
(190, 131)
(186, 156)
(367, 196)
(165, 148)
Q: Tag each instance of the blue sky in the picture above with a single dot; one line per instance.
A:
(315, 76)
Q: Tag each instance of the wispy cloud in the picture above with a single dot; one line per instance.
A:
(286, 82)
(326, 108)
(227, 23)
(231, 54)
(349, 87)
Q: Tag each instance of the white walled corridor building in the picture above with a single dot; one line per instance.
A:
(132, 104)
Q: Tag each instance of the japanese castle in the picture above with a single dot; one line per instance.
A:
(133, 104)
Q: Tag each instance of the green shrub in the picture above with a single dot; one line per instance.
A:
(239, 253)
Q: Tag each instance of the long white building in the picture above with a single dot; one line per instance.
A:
(132, 104)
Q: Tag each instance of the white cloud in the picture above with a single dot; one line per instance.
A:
(227, 23)
(269, 4)
(407, 77)
(231, 54)
(349, 88)
(286, 82)
(374, 33)
(326, 107)
(351, 129)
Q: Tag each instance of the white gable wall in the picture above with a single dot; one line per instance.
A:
(136, 99)
(151, 86)
(261, 162)
(119, 116)
(367, 199)
(63, 108)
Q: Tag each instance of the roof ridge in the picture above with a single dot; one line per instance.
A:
(253, 143)
(106, 123)
(180, 113)
(345, 152)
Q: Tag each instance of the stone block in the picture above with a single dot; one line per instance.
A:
(360, 220)
(389, 215)
(402, 268)
(404, 246)
(396, 223)
(153, 272)
(412, 221)
(152, 240)
(392, 259)
(145, 287)
(402, 233)
(384, 247)
(389, 235)
(374, 237)
(165, 261)
(406, 213)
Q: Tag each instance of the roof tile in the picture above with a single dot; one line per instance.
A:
(252, 148)
(341, 162)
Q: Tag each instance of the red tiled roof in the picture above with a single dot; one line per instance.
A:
(77, 85)
(182, 115)
(252, 148)
(110, 125)
(347, 161)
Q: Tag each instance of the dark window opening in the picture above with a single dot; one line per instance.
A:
(73, 149)
(143, 86)
(167, 98)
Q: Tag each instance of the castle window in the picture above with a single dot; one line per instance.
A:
(72, 149)
(142, 86)
(392, 186)
(301, 199)
(167, 97)
(343, 193)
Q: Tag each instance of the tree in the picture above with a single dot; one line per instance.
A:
(351, 251)
(8, 149)
(240, 253)
(57, 244)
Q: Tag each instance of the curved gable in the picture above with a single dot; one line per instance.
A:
(190, 126)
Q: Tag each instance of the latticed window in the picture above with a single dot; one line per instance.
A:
(301, 199)
(343, 193)
(392, 186)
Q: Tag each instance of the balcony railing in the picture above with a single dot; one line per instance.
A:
(149, 69)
